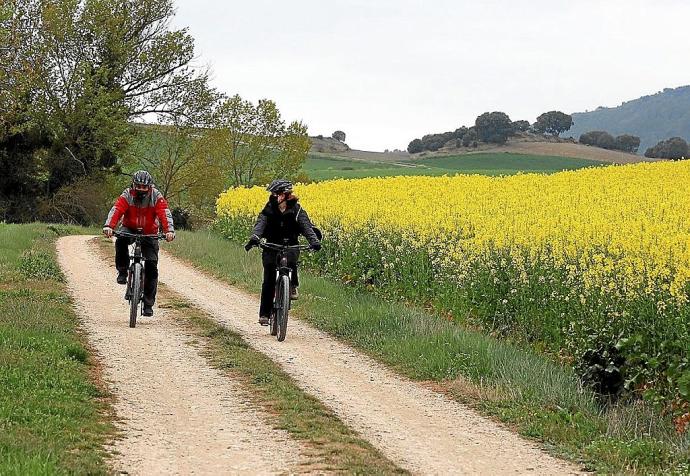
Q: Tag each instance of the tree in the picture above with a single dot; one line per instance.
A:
(521, 126)
(494, 127)
(253, 144)
(433, 142)
(460, 132)
(470, 138)
(176, 156)
(80, 71)
(339, 136)
(627, 143)
(553, 122)
(415, 146)
(598, 139)
(673, 148)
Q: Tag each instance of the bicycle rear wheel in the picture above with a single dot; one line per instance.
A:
(135, 297)
(283, 306)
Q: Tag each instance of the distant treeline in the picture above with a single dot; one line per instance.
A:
(673, 148)
(623, 142)
(494, 128)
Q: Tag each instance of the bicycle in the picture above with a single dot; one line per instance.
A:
(135, 274)
(281, 301)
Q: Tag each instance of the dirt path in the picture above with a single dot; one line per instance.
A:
(416, 428)
(178, 415)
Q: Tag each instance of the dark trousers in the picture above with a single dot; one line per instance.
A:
(149, 250)
(268, 287)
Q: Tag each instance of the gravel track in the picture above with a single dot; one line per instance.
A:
(416, 428)
(177, 414)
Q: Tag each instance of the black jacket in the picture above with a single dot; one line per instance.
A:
(276, 226)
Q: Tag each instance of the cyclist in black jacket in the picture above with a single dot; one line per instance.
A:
(282, 218)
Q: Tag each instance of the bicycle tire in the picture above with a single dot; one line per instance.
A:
(136, 294)
(274, 311)
(283, 297)
(274, 322)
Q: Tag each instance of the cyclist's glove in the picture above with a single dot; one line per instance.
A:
(253, 241)
(316, 246)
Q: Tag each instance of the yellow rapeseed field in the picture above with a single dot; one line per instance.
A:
(625, 229)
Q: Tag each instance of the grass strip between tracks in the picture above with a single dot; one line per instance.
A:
(54, 416)
(527, 391)
(334, 446)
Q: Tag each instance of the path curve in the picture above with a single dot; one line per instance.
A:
(416, 428)
(178, 415)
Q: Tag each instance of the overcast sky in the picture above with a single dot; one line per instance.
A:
(387, 71)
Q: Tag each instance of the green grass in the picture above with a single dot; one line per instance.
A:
(528, 391)
(324, 167)
(333, 446)
(52, 415)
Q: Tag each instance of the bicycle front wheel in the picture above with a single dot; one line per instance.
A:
(274, 322)
(135, 296)
(283, 306)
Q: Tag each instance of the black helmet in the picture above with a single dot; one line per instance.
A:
(142, 177)
(280, 186)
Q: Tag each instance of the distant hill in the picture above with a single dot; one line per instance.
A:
(523, 144)
(652, 118)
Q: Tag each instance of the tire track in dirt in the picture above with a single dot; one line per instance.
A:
(177, 414)
(418, 429)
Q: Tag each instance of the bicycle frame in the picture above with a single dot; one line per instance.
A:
(135, 273)
(281, 298)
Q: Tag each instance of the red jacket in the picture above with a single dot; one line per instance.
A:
(147, 214)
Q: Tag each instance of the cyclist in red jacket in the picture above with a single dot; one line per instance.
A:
(142, 209)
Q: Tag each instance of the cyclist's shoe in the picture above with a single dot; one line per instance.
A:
(263, 320)
(148, 311)
(294, 294)
(122, 277)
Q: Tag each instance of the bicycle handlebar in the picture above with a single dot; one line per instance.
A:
(273, 246)
(126, 234)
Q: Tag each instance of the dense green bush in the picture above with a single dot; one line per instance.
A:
(598, 139)
(521, 126)
(627, 143)
(673, 148)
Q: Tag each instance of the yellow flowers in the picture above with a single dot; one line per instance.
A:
(624, 229)
(593, 262)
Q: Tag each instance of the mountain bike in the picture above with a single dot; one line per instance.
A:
(135, 274)
(278, 319)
